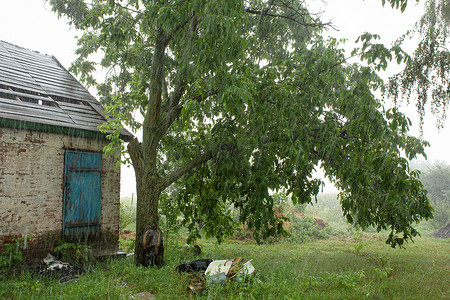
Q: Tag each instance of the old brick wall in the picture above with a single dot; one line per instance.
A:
(31, 182)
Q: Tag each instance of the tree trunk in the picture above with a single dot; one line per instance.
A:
(149, 248)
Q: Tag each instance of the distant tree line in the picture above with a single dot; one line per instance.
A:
(436, 180)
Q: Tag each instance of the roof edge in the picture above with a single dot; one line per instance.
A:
(26, 125)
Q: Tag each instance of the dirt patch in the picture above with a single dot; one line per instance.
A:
(128, 234)
(320, 223)
(443, 233)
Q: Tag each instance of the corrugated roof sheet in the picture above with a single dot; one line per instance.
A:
(36, 88)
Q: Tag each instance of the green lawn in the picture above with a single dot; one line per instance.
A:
(330, 269)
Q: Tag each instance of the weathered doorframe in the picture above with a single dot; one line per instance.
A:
(82, 195)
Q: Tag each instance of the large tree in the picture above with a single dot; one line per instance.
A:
(240, 98)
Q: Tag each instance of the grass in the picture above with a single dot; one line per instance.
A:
(327, 269)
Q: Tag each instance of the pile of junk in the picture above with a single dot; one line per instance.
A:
(216, 271)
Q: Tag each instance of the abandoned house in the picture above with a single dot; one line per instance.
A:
(54, 180)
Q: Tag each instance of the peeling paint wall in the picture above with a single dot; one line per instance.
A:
(31, 182)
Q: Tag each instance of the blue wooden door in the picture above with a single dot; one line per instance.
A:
(82, 194)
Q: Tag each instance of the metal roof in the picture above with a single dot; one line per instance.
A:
(36, 88)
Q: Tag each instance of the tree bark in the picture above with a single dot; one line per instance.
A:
(144, 158)
(147, 218)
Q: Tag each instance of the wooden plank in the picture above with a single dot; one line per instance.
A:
(26, 95)
(93, 126)
(31, 105)
(56, 76)
(22, 85)
(36, 89)
(16, 70)
(8, 60)
(14, 79)
(61, 83)
(21, 53)
(88, 119)
(14, 60)
(45, 88)
(32, 71)
(30, 81)
(68, 94)
(11, 71)
(26, 85)
(51, 67)
(23, 77)
(57, 80)
(51, 70)
(47, 67)
(33, 119)
(99, 109)
(31, 114)
(75, 105)
(41, 111)
(81, 110)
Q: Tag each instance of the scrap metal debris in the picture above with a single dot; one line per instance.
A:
(194, 266)
(215, 271)
(221, 270)
(60, 270)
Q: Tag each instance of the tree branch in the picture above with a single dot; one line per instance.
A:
(156, 80)
(173, 109)
(178, 173)
(135, 151)
(209, 93)
(184, 169)
(291, 18)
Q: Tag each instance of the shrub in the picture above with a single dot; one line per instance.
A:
(304, 230)
(127, 215)
(12, 254)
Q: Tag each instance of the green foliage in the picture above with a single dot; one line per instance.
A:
(34, 286)
(12, 253)
(398, 4)
(242, 98)
(127, 215)
(358, 240)
(73, 253)
(282, 199)
(170, 214)
(127, 245)
(304, 230)
(426, 74)
(383, 272)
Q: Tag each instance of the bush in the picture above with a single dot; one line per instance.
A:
(12, 255)
(127, 245)
(127, 216)
(304, 230)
